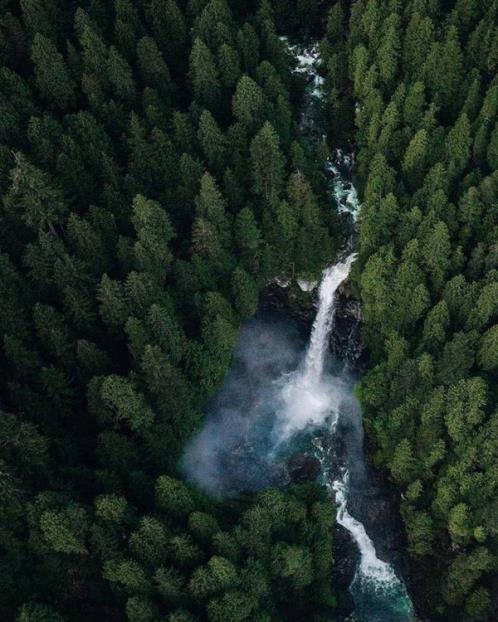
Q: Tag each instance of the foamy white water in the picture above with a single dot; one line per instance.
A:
(265, 411)
(315, 356)
(311, 398)
(344, 190)
(306, 399)
(371, 567)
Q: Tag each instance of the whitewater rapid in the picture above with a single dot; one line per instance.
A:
(286, 394)
(378, 592)
(313, 398)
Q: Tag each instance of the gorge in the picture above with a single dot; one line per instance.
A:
(283, 397)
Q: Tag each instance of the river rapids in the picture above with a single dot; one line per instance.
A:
(286, 393)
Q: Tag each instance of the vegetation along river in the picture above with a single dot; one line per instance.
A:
(287, 395)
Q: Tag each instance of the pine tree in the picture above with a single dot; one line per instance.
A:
(149, 542)
(487, 355)
(125, 403)
(228, 65)
(492, 153)
(444, 70)
(204, 76)
(414, 106)
(248, 45)
(212, 141)
(65, 530)
(335, 24)
(211, 235)
(127, 27)
(141, 609)
(52, 76)
(41, 17)
(415, 159)
(35, 612)
(214, 25)
(114, 309)
(267, 163)
(458, 145)
(32, 196)
(245, 293)
(436, 254)
(248, 103)
(111, 508)
(388, 52)
(128, 574)
(153, 68)
(94, 48)
(120, 76)
(247, 235)
(417, 42)
(169, 28)
(154, 231)
(173, 496)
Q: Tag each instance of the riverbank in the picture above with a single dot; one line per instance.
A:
(379, 509)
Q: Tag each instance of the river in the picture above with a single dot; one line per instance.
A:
(286, 393)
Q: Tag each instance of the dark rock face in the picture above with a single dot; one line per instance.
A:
(289, 299)
(346, 559)
(303, 468)
(345, 339)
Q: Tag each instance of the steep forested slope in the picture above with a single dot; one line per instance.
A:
(424, 76)
(153, 180)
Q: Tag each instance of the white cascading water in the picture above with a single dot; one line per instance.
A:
(315, 356)
(309, 397)
(371, 567)
(267, 411)
(308, 401)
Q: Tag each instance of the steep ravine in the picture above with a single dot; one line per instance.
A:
(288, 405)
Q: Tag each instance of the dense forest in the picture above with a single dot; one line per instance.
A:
(154, 178)
(424, 77)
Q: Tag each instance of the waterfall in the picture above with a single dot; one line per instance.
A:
(378, 593)
(282, 392)
(312, 397)
(307, 400)
(308, 394)
(315, 356)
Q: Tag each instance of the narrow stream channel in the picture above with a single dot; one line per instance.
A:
(285, 394)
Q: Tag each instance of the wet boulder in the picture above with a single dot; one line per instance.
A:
(303, 468)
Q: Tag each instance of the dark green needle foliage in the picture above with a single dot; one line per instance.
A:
(144, 153)
(424, 75)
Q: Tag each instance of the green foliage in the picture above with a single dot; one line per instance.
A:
(52, 76)
(144, 155)
(38, 203)
(293, 564)
(34, 612)
(212, 141)
(110, 508)
(125, 403)
(245, 292)
(267, 163)
(248, 103)
(426, 115)
(65, 530)
(173, 496)
(204, 75)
